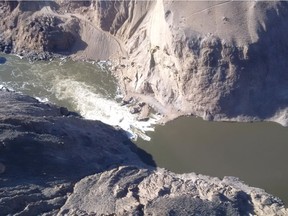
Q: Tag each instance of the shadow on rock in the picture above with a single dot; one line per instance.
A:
(55, 163)
(36, 139)
(45, 150)
(2, 60)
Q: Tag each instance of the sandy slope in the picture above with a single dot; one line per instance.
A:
(222, 60)
(218, 60)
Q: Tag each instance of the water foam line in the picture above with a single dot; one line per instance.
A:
(94, 106)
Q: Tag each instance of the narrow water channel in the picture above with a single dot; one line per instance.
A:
(254, 152)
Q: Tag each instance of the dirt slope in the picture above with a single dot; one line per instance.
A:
(221, 60)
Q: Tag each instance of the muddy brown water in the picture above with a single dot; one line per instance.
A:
(254, 152)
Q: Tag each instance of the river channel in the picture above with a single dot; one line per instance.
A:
(254, 152)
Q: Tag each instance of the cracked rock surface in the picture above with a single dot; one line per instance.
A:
(43, 153)
(55, 164)
(132, 191)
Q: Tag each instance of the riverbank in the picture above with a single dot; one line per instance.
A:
(41, 148)
(254, 152)
(217, 61)
(182, 145)
(212, 69)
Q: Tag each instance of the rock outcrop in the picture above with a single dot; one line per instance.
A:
(43, 153)
(55, 164)
(44, 28)
(134, 191)
(217, 60)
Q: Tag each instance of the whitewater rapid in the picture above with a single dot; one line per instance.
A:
(94, 106)
(86, 88)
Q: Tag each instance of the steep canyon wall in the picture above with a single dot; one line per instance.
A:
(218, 60)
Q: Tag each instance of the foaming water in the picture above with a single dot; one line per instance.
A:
(94, 106)
(86, 88)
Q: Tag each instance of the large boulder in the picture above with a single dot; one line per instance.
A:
(137, 191)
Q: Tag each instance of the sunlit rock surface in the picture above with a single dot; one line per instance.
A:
(221, 60)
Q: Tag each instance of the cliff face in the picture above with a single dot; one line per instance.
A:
(53, 162)
(45, 150)
(218, 60)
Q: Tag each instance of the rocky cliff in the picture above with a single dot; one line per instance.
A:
(221, 60)
(53, 162)
(218, 60)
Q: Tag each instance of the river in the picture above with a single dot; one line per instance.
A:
(85, 87)
(254, 152)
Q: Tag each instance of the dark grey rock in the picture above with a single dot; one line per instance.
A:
(2, 60)
(53, 164)
(43, 154)
(135, 109)
(64, 111)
